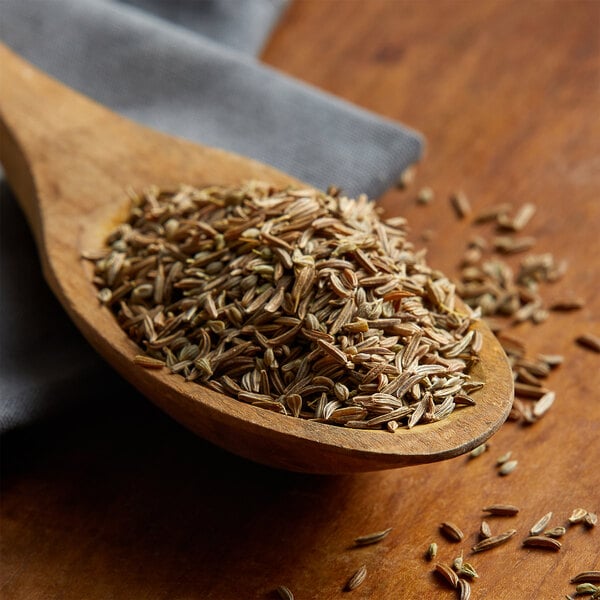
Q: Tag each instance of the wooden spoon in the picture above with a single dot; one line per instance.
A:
(69, 161)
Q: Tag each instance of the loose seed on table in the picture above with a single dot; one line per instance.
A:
(447, 574)
(541, 524)
(555, 532)
(431, 551)
(540, 541)
(494, 541)
(589, 341)
(485, 530)
(357, 579)
(372, 538)
(502, 510)
(589, 576)
(508, 467)
(578, 515)
(285, 593)
(452, 531)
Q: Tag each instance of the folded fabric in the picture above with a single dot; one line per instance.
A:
(188, 68)
(169, 77)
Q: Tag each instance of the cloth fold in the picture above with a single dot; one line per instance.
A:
(188, 68)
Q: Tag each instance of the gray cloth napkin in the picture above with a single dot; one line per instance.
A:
(188, 68)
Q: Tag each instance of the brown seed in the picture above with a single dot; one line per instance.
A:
(504, 458)
(406, 178)
(446, 573)
(511, 245)
(457, 563)
(461, 204)
(508, 467)
(541, 524)
(586, 589)
(591, 519)
(478, 451)
(555, 532)
(542, 406)
(148, 362)
(485, 530)
(431, 551)
(589, 576)
(578, 515)
(452, 531)
(372, 538)
(502, 510)
(520, 220)
(552, 360)
(494, 541)
(492, 213)
(589, 341)
(468, 570)
(464, 589)
(357, 579)
(285, 593)
(566, 304)
(525, 390)
(425, 195)
(541, 541)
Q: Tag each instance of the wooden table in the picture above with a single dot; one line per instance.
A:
(508, 94)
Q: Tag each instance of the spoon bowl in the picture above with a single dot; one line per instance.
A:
(70, 162)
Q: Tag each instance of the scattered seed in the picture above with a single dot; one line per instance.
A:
(587, 576)
(511, 245)
(406, 178)
(464, 589)
(555, 532)
(468, 570)
(485, 530)
(541, 524)
(566, 304)
(493, 541)
(425, 195)
(520, 220)
(504, 458)
(285, 593)
(578, 515)
(502, 510)
(508, 467)
(540, 541)
(447, 574)
(552, 360)
(589, 341)
(461, 204)
(586, 589)
(457, 563)
(357, 579)
(431, 551)
(492, 213)
(452, 531)
(372, 538)
(542, 406)
(525, 390)
(591, 519)
(478, 451)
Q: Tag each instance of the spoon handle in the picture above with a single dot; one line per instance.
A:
(40, 121)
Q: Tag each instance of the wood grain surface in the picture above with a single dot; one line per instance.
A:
(117, 501)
